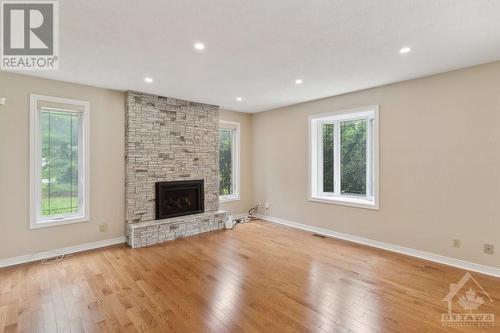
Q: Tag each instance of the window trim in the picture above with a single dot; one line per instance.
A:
(316, 164)
(35, 163)
(236, 160)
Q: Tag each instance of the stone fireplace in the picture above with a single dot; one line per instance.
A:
(171, 149)
(179, 198)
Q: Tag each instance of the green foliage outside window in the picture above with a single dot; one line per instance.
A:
(328, 158)
(225, 161)
(353, 157)
(59, 163)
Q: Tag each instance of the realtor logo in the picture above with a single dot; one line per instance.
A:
(30, 35)
(469, 294)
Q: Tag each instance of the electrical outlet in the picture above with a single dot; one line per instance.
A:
(489, 248)
(267, 205)
(103, 227)
(456, 242)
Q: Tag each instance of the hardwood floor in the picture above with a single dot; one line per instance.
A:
(259, 277)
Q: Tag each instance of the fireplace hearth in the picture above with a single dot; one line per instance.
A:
(175, 143)
(178, 198)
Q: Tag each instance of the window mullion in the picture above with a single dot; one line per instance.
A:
(336, 157)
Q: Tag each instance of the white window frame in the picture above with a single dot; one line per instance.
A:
(235, 153)
(36, 221)
(371, 201)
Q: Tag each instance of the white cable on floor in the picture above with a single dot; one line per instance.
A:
(58, 257)
(53, 260)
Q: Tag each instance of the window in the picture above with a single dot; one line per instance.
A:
(229, 161)
(59, 166)
(344, 157)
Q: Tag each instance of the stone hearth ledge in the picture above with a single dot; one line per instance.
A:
(149, 233)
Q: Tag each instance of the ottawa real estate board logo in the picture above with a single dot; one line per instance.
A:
(30, 35)
(465, 300)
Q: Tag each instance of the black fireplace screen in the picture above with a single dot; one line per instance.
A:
(179, 198)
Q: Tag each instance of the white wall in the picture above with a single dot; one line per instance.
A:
(106, 166)
(246, 174)
(439, 164)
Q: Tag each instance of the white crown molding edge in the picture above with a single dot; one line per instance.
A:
(66, 250)
(387, 246)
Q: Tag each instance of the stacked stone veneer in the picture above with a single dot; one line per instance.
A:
(169, 139)
(151, 233)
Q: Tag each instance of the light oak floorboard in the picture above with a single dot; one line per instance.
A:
(259, 277)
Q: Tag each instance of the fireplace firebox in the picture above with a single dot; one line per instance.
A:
(178, 198)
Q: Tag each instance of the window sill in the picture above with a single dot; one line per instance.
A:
(229, 198)
(58, 222)
(346, 201)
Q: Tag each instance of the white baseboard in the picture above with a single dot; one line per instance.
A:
(66, 250)
(389, 247)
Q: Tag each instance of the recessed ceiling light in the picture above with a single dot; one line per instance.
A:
(148, 79)
(239, 99)
(298, 81)
(405, 49)
(199, 46)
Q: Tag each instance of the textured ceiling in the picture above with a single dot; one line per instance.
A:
(256, 49)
